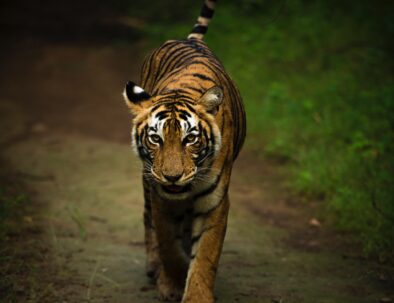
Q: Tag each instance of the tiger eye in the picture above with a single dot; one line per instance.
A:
(190, 138)
(155, 138)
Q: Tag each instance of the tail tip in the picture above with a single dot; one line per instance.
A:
(200, 29)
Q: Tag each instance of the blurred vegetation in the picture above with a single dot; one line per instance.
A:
(12, 199)
(317, 81)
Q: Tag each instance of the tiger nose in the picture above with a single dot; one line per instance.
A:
(173, 178)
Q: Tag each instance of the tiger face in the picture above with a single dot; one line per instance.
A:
(176, 137)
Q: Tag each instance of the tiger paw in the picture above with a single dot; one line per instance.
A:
(198, 300)
(194, 296)
(168, 289)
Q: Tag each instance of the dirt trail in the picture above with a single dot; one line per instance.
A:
(64, 132)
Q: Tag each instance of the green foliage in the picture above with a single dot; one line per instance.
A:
(317, 81)
(9, 201)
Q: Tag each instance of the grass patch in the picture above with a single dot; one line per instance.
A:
(317, 81)
(11, 200)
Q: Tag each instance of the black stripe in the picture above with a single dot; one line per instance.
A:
(212, 136)
(206, 11)
(178, 125)
(235, 120)
(166, 61)
(205, 133)
(190, 108)
(168, 99)
(184, 112)
(214, 69)
(199, 29)
(211, 188)
(183, 117)
(196, 238)
(203, 77)
(156, 107)
(183, 56)
(146, 77)
(177, 47)
(164, 78)
(194, 56)
(199, 214)
(177, 56)
(162, 115)
(144, 153)
(186, 98)
(195, 89)
(163, 112)
(223, 122)
(157, 70)
(238, 115)
(199, 55)
(179, 91)
(201, 157)
(136, 137)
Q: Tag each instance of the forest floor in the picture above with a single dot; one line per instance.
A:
(79, 234)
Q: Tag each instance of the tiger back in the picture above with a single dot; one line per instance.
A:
(188, 127)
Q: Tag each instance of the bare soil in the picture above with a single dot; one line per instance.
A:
(64, 135)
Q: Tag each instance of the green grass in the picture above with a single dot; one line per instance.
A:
(11, 200)
(317, 81)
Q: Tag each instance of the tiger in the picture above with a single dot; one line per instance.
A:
(188, 126)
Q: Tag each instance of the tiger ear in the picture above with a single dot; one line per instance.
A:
(211, 99)
(134, 96)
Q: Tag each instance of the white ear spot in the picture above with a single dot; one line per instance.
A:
(214, 97)
(137, 90)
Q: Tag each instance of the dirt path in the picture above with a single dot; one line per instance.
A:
(64, 133)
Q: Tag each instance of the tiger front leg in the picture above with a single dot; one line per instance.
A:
(152, 248)
(207, 241)
(151, 244)
(173, 260)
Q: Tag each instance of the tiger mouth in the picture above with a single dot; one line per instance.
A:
(176, 189)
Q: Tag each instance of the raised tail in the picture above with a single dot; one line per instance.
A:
(201, 27)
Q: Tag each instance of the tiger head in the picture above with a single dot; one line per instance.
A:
(176, 137)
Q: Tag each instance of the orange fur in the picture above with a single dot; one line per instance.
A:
(188, 128)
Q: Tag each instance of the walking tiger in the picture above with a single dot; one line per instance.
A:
(188, 126)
